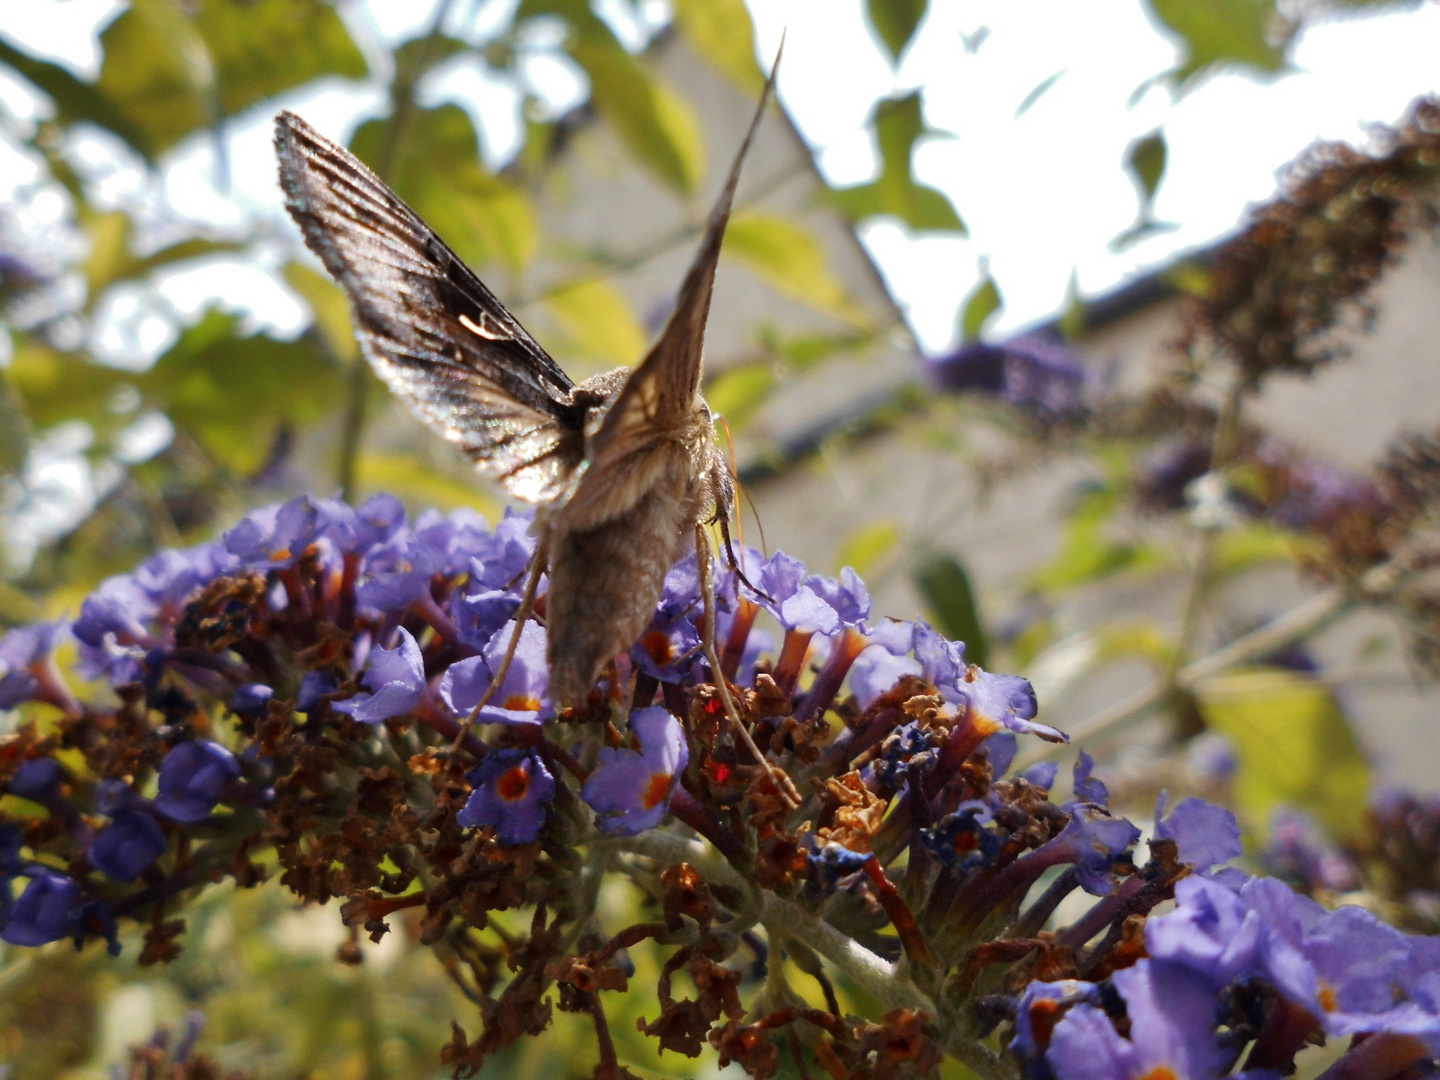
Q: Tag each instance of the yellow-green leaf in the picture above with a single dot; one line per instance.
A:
(722, 33)
(1294, 746)
(599, 322)
(898, 126)
(895, 21)
(738, 393)
(657, 126)
(788, 258)
(864, 547)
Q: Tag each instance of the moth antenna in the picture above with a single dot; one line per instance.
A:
(783, 784)
(522, 615)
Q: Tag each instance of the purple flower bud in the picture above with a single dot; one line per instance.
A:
(396, 681)
(37, 779)
(512, 789)
(128, 846)
(1087, 788)
(45, 910)
(314, 686)
(831, 864)
(630, 792)
(251, 699)
(1093, 841)
(192, 778)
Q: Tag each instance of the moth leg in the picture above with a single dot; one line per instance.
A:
(527, 606)
(783, 784)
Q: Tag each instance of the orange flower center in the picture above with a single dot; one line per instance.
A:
(659, 647)
(521, 703)
(1328, 999)
(656, 790)
(513, 784)
(1159, 1072)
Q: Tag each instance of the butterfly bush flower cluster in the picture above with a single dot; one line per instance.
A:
(315, 698)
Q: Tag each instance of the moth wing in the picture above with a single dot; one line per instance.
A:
(429, 327)
(659, 397)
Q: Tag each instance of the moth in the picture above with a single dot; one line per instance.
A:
(623, 467)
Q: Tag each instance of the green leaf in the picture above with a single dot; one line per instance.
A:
(977, 308)
(263, 47)
(1088, 551)
(434, 165)
(168, 74)
(895, 21)
(599, 322)
(158, 72)
(898, 126)
(58, 386)
(231, 392)
(1216, 32)
(788, 258)
(722, 33)
(1238, 550)
(331, 307)
(1294, 746)
(951, 601)
(738, 393)
(867, 545)
(1145, 162)
(1071, 322)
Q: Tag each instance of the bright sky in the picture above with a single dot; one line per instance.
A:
(1043, 193)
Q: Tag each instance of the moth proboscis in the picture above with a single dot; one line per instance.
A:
(623, 467)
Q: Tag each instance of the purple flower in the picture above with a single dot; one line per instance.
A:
(671, 636)
(1042, 774)
(397, 577)
(1034, 372)
(192, 778)
(375, 522)
(279, 535)
(1002, 701)
(941, 660)
(846, 596)
(19, 649)
(1093, 841)
(396, 681)
(479, 614)
(45, 910)
(630, 792)
(1205, 835)
(128, 846)
(1210, 932)
(1041, 1007)
(1087, 788)
(961, 839)
(1172, 1031)
(504, 554)
(521, 698)
(876, 671)
(512, 789)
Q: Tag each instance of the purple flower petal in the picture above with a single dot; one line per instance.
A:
(630, 792)
(396, 681)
